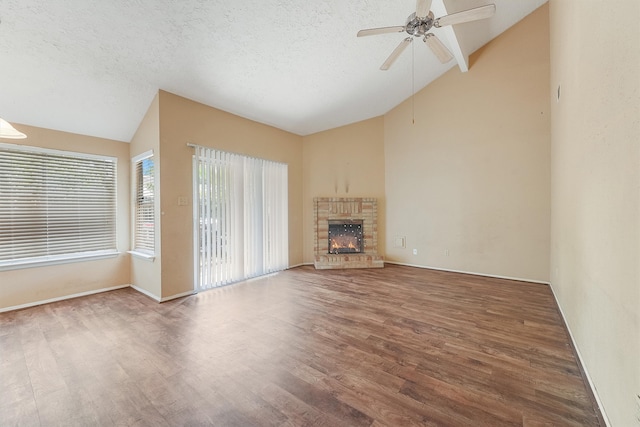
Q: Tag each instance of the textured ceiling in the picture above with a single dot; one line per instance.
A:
(93, 67)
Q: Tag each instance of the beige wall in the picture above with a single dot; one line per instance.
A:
(595, 250)
(344, 162)
(146, 273)
(183, 121)
(30, 285)
(468, 183)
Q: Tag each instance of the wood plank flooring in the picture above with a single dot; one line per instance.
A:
(398, 346)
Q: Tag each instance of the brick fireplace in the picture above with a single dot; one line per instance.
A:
(353, 240)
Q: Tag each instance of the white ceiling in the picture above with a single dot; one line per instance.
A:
(93, 66)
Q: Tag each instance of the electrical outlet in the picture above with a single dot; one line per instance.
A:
(415, 252)
(446, 252)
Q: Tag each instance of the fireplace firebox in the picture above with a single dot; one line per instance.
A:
(345, 236)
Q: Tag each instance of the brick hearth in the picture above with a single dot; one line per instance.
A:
(365, 209)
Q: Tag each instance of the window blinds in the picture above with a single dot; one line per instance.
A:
(55, 204)
(144, 222)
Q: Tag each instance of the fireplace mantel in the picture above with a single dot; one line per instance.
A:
(365, 209)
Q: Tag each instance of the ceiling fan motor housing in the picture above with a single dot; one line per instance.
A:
(418, 27)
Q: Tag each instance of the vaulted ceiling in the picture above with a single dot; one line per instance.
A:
(93, 67)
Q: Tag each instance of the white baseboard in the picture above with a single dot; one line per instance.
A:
(147, 293)
(303, 264)
(519, 279)
(176, 296)
(161, 299)
(297, 265)
(581, 360)
(62, 298)
(95, 291)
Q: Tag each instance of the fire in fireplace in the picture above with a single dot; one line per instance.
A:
(345, 236)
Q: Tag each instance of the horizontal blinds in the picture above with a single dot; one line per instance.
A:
(55, 204)
(144, 227)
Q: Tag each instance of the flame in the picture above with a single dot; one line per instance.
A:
(340, 244)
(334, 244)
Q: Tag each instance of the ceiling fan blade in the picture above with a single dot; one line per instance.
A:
(438, 48)
(381, 30)
(481, 12)
(396, 53)
(422, 8)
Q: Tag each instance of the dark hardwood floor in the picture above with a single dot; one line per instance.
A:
(397, 346)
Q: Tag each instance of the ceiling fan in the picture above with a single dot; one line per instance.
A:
(421, 21)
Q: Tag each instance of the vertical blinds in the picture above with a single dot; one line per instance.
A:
(217, 179)
(276, 216)
(241, 217)
(55, 204)
(144, 226)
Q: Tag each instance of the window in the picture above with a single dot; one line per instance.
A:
(240, 217)
(55, 206)
(144, 221)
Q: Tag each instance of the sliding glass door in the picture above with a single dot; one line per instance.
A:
(240, 217)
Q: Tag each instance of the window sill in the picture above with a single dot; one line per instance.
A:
(143, 255)
(56, 260)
